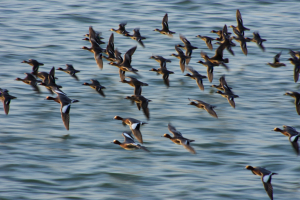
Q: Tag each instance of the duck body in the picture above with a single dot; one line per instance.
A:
(96, 86)
(293, 135)
(5, 97)
(179, 139)
(165, 27)
(70, 70)
(141, 102)
(266, 177)
(134, 126)
(129, 143)
(202, 105)
(65, 106)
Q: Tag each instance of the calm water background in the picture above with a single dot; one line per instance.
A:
(36, 163)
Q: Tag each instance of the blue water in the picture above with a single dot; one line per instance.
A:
(38, 163)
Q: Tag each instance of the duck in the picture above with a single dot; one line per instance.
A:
(242, 40)
(141, 102)
(110, 49)
(134, 126)
(65, 106)
(258, 40)
(97, 50)
(136, 36)
(165, 72)
(220, 34)
(295, 95)
(95, 35)
(210, 66)
(163, 69)
(207, 41)
(226, 40)
(49, 81)
(129, 143)
(136, 84)
(196, 76)
(293, 135)
(96, 86)
(266, 177)
(201, 104)
(125, 65)
(276, 63)
(34, 63)
(187, 46)
(70, 70)
(183, 59)
(228, 94)
(217, 59)
(5, 97)
(222, 82)
(240, 26)
(179, 139)
(161, 60)
(165, 27)
(30, 80)
(121, 29)
(44, 75)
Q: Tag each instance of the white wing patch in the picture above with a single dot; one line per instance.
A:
(65, 108)
(292, 139)
(133, 126)
(266, 178)
(128, 136)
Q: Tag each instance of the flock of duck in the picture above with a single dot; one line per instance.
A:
(124, 64)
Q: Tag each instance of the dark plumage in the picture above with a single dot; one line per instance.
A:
(121, 29)
(240, 25)
(201, 104)
(266, 177)
(141, 102)
(65, 106)
(228, 94)
(30, 80)
(207, 41)
(136, 84)
(293, 135)
(134, 126)
(187, 46)
(179, 139)
(125, 65)
(34, 63)
(5, 97)
(70, 70)
(96, 86)
(183, 59)
(196, 76)
(129, 143)
(276, 63)
(136, 36)
(165, 27)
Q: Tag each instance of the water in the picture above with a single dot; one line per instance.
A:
(37, 163)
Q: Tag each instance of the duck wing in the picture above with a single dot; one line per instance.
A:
(209, 109)
(173, 130)
(165, 26)
(186, 144)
